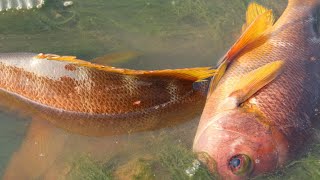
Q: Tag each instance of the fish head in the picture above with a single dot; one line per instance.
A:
(237, 145)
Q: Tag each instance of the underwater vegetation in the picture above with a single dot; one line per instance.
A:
(170, 162)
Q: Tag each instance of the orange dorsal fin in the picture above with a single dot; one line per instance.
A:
(190, 74)
(258, 21)
(254, 10)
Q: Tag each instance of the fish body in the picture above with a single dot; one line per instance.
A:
(266, 130)
(98, 100)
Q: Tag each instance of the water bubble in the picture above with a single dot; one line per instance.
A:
(191, 171)
(67, 3)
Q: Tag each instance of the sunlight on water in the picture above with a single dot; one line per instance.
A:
(168, 34)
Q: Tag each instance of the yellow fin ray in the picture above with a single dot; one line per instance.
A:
(250, 83)
(254, 10)
(253, 81)
(255, 30)
(190, 74)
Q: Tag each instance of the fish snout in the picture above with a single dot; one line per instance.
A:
(238, 148)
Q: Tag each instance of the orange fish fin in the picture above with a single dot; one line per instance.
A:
(259, 21)
(116, 58)
(215, 80)
(254, 30)
(191, 74)
(254, 10)
(253, 81)
(41, 147)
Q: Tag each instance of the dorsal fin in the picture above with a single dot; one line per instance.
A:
(190, 74)
(254, 10)
(259, 21)
(255, 29)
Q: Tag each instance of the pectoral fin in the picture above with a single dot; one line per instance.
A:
(117, 58)
(252, 82)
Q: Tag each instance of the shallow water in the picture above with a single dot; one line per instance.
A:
(168, 34)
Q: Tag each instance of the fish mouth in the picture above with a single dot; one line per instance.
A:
(207, 160)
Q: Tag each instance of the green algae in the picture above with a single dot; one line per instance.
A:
(164, 161)
(85, 168)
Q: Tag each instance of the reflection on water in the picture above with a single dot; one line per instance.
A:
(170, 34)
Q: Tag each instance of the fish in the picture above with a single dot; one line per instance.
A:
(97, 100)
(263, 99)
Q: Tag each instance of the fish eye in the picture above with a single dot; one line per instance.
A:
(240, 164)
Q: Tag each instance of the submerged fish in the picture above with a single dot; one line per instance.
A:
(98, 100)
(262, 101)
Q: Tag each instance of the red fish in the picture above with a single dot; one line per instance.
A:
(263, 99)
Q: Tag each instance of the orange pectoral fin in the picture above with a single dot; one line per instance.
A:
(37, 153)
(252, 82)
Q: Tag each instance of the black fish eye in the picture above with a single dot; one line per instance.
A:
(235, 162)
(240, 164)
